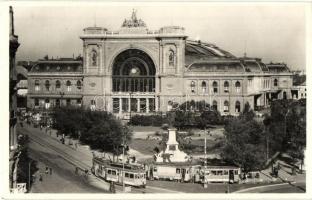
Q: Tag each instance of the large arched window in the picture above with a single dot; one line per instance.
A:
(204, 87)
(226, 86)
(237, 107)
(133, 71)
(238, 86)
(37, 85)
(275, 82)
(58, 85)
(226, 106)
(47, 85)
(193, 85)
(79, 85)
(215, 105)
(69, 86)
(215, 87)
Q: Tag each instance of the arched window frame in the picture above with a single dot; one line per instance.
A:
(237, 107)
(57, 84)
(37, 85)
(215, 105)
(226, 106)
(47, 85)
(215, 87)
(69, 86)
(79, 85)
(226, 86)
(238, 86)
(171, 57)
(204, 87)
(193, 86)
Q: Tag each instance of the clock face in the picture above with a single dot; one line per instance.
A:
(134, 71)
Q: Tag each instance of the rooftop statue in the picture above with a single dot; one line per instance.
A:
(134, 21)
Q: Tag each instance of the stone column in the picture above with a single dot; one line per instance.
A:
(138, 104)
(120, 105)
(147, 105)
(156, 104)
(129, 104)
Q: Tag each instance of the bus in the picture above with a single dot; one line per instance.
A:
(130, 174)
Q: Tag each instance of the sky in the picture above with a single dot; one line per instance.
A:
(271, 31)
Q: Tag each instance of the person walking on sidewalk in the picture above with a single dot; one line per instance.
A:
(50, 171)
(47, 170)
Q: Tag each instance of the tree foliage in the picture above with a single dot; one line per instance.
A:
(244, 145)
(100, 130)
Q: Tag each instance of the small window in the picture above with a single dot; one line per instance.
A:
(226, 106)
(215, 87)
(275, 82)
(127, 175)
(93, 102)
(113, 172)
(155, 169)
(171, 58)
(68, 102)
(178, 170)
(37, 85)
(204, 87)
(226, 87)
(79, 85)
(219, 172)
(57, 84)
(226, 172)
(213, 172)
(47, 85)
(36, 102)
(215, 105)
(238, 86)
(236, 172)
(131, 175)
(68, 84)
(237, 107)
(193, 87)
(109, 171)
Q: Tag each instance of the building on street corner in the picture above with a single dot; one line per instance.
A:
(140, 71)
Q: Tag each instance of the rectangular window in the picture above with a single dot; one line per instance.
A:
(226, 89)
(109, 171)
(225, 172)
(127, 175)
(131, 176)
(155, 169)
(36, 102)
(37, 88)
(113, 172)
(236, 172)
(215, 90)
(178, 170)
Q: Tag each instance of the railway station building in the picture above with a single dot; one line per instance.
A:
(136, 70)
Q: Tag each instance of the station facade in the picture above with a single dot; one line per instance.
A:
(136, 70)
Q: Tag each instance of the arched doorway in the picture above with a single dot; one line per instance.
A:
(133, 82)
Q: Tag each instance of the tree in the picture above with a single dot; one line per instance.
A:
(208, 117)
(244, 142)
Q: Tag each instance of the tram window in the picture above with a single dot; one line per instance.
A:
(127, 175)
(109, 171)
(113, 172)
(225, 172)
(155, 169)
(213, 172)
(178, 171)
(236, 172)
(219, 173)
(131, 175)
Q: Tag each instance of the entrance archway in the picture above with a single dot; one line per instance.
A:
(133, 77)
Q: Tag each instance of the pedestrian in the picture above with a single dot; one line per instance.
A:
(47, 170)
(50, 171)
(40, 177)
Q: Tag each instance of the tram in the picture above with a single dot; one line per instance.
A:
(180, 172)
(129, 174)
(225, 174)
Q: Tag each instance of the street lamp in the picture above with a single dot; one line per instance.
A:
(123, 158)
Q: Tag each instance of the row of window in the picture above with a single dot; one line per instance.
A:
(226, 105)
(47, 102)
(215, 87)
(47, 85)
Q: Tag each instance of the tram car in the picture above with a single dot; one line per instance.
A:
(134, 174)
(225, 174)
(181, 172)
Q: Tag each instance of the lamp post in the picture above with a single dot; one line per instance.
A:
(123, 158)
(130, 93)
